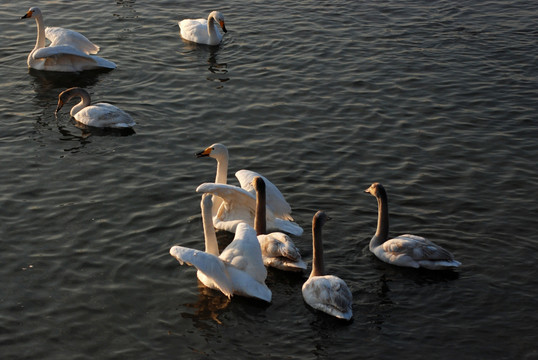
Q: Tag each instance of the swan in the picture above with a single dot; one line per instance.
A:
(237, 270)
(101, 115)
(278, 250)
(274, 198)
(239, 206)
(405, 250)
(327, 293)
(203, 31)
(69, 50)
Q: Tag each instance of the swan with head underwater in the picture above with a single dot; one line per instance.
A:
(405, 250)
(276, 203)
(278, 250)
(327, 293)
(237, 270)
(102, 115)
(69, 50)
(202, 31)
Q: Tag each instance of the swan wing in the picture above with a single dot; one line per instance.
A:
(329, 294)
(210, 265)
(61, 36)
(67, 58)
(244, 253)
(275, 200)
(245, 285)
(104, 115)
(421, 251)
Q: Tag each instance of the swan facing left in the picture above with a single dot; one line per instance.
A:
(69, 51)
(102, 115)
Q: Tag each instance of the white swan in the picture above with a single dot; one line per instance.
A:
(278, 250)
(203, 31)
(238, 270)
(101, 115)
(274, 198)
(239, 206)
(69, 50)
(327, 293)
(405, 250)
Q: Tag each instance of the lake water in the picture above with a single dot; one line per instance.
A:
(436, 100)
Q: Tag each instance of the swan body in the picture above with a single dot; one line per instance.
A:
(239, 206)
(102, 115)
(405, 250)
(278, 250)
(274, 199)
(238, 270)
(203, 31)
(69, 51)
(327, 293)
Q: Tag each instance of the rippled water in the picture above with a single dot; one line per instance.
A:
(436, 100)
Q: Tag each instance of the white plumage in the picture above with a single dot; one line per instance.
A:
(202, 31)
(69, 51)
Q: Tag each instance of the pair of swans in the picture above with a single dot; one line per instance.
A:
(102, 115)
(69, 50)
(234, 205)
(202, 31)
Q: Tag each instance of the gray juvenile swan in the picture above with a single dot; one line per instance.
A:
(327, 293)
(278, 250)
(405, 250)
(102, 115)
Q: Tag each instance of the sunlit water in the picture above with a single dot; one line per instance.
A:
(436, 100)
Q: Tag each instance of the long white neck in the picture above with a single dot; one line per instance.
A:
(85, 101)
(211, 245)
(382, 231)
(220, 178)
(40, 42)
(211, 28)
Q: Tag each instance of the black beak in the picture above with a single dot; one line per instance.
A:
(224, 28)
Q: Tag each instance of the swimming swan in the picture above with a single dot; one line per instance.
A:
(69, 50)
(278, 250)
(239, 206)
(101, 115)
(405, 250)
(274, 198)
(203, 31)
(327, 293)
(238, 270)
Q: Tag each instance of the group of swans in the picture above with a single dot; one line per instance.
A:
(252, 207)
(70, 51)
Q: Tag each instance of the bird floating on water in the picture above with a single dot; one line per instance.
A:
(203, 31)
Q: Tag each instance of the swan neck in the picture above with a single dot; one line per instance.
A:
(211, 27)
(211, 245)
(222, 170)
(260, 222)
(85, 101)
(382, 231)
(40, 41)
(318, 266)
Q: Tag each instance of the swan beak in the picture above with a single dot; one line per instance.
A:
(27, 15)
(223, 27)
(204, 153)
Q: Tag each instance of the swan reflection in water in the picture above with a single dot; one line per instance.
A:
(209, 306)
(219, 71)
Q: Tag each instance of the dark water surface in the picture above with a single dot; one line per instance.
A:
(436, 100)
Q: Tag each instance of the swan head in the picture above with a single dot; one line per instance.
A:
(68, 94)
(32, 13)
(258, 184)
(320, 218)
(216, 151)
(219, 18)
(376, 189)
